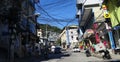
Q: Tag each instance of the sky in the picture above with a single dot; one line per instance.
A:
(58, 13)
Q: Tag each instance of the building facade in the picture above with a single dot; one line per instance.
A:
(18, 25)
(114, 9)
(69, 37)
(105, 20)
(63, 38)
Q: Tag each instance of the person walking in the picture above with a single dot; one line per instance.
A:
(88, 50)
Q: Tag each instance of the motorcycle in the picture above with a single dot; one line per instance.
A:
(88, 54)
(105, 54)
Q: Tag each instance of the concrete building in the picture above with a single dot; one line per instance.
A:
(69, 36)
(53, 36)
(100, 21)
(63, 38)
(17, 18)
(113, 8)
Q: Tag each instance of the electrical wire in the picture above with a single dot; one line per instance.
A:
(70, 21)
(56, 20)
(58, 3)
(52, 18)
(50, 15)
(84, 2)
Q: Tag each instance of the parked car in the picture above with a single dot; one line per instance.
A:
(76, 49)
(66, 53)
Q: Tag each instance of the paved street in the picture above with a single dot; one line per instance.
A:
(63, 57)
(78, 57)
(74, 57)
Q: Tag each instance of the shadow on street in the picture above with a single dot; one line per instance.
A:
(57, 56)
(42, 58)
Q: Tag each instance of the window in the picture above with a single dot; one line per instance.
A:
(72, 37)
(39, 34)
(76, 38)
(71, 32)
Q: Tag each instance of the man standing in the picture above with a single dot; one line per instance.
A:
(52, 48)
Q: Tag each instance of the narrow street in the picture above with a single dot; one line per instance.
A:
(77, 57)
(74, 57)
(49, 30)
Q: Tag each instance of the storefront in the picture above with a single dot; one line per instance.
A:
(116, 35)
(114, 10)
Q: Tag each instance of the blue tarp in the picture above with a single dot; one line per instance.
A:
(116, 27)
(111, 40)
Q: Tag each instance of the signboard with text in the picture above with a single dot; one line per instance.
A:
(106, 15)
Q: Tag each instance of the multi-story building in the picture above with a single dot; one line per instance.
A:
(113, 8)
(63, 38)
(91, 20)
(53, 36)
(96, 17)
(69, 36)
(99, 21)
(18, 20)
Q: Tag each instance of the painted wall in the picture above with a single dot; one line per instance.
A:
(69, 35)
(114, 13)
(89, 2)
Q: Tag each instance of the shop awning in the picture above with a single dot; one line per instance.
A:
(86, 16)
(88, 33)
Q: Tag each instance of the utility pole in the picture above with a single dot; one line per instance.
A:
(79, 5)
(46, 32)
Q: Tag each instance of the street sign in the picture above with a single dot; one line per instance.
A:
(106, 15)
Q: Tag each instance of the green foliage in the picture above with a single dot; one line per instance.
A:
(58, 42)
(49, 28)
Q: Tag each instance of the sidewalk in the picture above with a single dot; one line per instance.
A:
(29, 59)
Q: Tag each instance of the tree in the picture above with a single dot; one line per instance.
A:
(58, 42)
(49, 28)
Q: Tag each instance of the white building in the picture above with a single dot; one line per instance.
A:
(95, 5)
(53, 36)
(69, 36)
